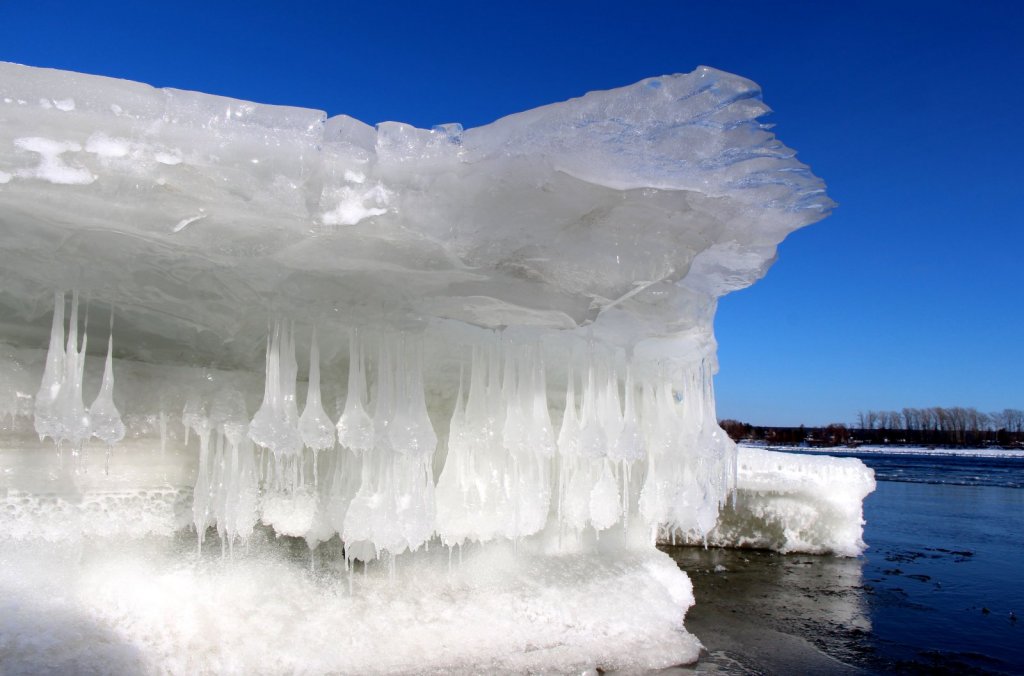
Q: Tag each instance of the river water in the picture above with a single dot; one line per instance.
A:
(939, 589)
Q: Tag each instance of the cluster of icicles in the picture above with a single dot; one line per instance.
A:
(60, 412)
(627, 454)
(647, 453)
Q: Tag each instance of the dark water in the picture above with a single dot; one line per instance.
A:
(939, 590)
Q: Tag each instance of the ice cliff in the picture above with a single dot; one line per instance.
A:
(395, 343)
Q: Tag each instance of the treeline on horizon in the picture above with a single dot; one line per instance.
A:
(932, 426)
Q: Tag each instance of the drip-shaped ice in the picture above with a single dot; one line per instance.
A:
(569, 432)
(66, 419)
(315, 426)
(628, 444)
(47, 419)
(410, 430)
(103, 414)
(542, 437)
(232, 478)
(605, 506)
(355, 428)
(393, 508)
(275, 425)
(593, 440)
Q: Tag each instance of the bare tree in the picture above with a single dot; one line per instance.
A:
(1013, 419)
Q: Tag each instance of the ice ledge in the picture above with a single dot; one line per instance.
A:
(791, 503)
(623, 212)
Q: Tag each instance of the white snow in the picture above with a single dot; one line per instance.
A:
(138, 608)
(904, 450)
(105, 146)
(52, 167)
(352, 204)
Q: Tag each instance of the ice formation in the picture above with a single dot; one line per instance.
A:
(484, 356)
(792, 502)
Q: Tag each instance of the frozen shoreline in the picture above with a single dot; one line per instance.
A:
(890, 450)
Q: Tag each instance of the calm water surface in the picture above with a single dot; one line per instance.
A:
(939, 589)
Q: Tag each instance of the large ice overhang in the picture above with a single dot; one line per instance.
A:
(516, 351)
(622, 214)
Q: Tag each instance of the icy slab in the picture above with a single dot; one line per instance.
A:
(625, 212)
(795, 503)
(137, 608)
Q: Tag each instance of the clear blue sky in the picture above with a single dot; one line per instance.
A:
(908, 295)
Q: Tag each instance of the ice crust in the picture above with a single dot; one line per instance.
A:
(473, 365)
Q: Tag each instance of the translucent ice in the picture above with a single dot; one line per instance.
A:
(512, 357)
(620, 215)
(355, 427)
(103, 414)
(316, 428)
(276, 424)
(46, 417)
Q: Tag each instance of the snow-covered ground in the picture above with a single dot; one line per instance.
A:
(891, 450)
(133, 606)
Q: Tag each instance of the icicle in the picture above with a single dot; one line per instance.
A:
(106, 424)
(260, 429)
(275, 425)
(201, 495)
(628, 445)
(74, 417)
(410, 430)
(569, 434)
(355, 428)
(605, 506)
(315, 426)
(541, 436)
(384, 404)
(163, 433)
(593, 442)
(46, 419)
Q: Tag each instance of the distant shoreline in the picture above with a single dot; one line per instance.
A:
(892, 449)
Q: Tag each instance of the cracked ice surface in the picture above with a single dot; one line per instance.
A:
(393, 342)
